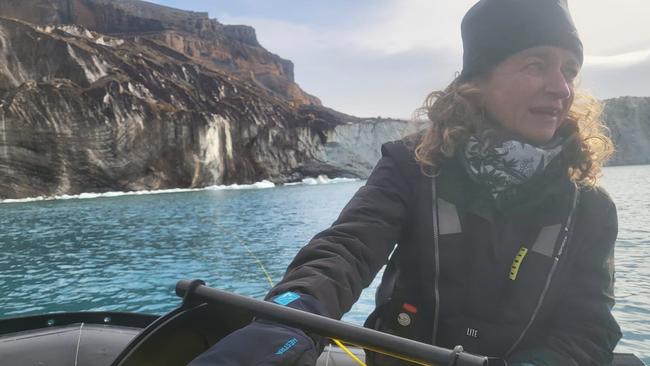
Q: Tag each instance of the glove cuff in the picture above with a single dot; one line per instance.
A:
(306, 303)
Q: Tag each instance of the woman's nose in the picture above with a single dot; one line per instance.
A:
(558, 85)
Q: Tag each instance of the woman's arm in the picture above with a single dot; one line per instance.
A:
(342, 260)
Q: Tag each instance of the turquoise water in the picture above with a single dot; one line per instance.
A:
(125, 253)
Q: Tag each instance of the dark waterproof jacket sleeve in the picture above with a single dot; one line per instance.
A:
(341, 261)
(584, 331)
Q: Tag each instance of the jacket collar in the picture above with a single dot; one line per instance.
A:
(547, 195)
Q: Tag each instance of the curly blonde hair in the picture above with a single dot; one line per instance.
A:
(453, 117)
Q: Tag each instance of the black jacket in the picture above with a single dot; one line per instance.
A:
(496, 280)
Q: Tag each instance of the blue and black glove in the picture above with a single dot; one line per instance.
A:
(267, 343)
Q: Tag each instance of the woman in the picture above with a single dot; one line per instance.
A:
(504, 241)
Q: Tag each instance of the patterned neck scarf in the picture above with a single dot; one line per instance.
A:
(498, 161)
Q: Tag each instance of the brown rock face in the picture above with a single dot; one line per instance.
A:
(84, 112)
(80, 111)
(231, 48)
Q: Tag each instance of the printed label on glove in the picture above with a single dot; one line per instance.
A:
(287, 346)
(286, 298)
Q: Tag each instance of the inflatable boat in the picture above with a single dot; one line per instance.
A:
(204, 317)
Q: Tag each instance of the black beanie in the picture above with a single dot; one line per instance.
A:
(492, 30)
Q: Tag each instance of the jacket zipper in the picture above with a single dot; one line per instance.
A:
(567, 231)
(436, 230)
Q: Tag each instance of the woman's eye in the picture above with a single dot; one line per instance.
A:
(535, 66)
(570, 74)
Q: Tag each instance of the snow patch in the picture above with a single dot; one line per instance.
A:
(15, 74)
(76, 31)
(211, 142)
(45, 29)
(141, 91)
(81, 32)
(3, 131)
(94, 70)
(110, 42)
(185, 74)
(227, 131)
(216, 145)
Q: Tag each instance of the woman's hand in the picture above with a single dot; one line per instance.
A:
(261, 343)
(267, 343)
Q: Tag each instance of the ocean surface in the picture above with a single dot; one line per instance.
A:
(125, 252)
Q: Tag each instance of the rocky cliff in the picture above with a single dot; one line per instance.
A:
(82, 111)
(628, 119)
(231, 48)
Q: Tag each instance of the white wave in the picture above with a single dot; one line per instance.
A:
(265, 184)
(258, 185)
(321, 179)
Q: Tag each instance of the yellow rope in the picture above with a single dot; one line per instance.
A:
(348, 352)
(394, 355)
(266, 273)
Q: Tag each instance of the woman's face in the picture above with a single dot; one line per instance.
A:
(530, 92)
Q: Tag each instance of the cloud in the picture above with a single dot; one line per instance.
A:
(384, 60)
(407, 25)
(620, 60)
(616, 76)
(394, 86)
(612, 27)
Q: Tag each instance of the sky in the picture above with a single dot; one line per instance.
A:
(374, 58)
